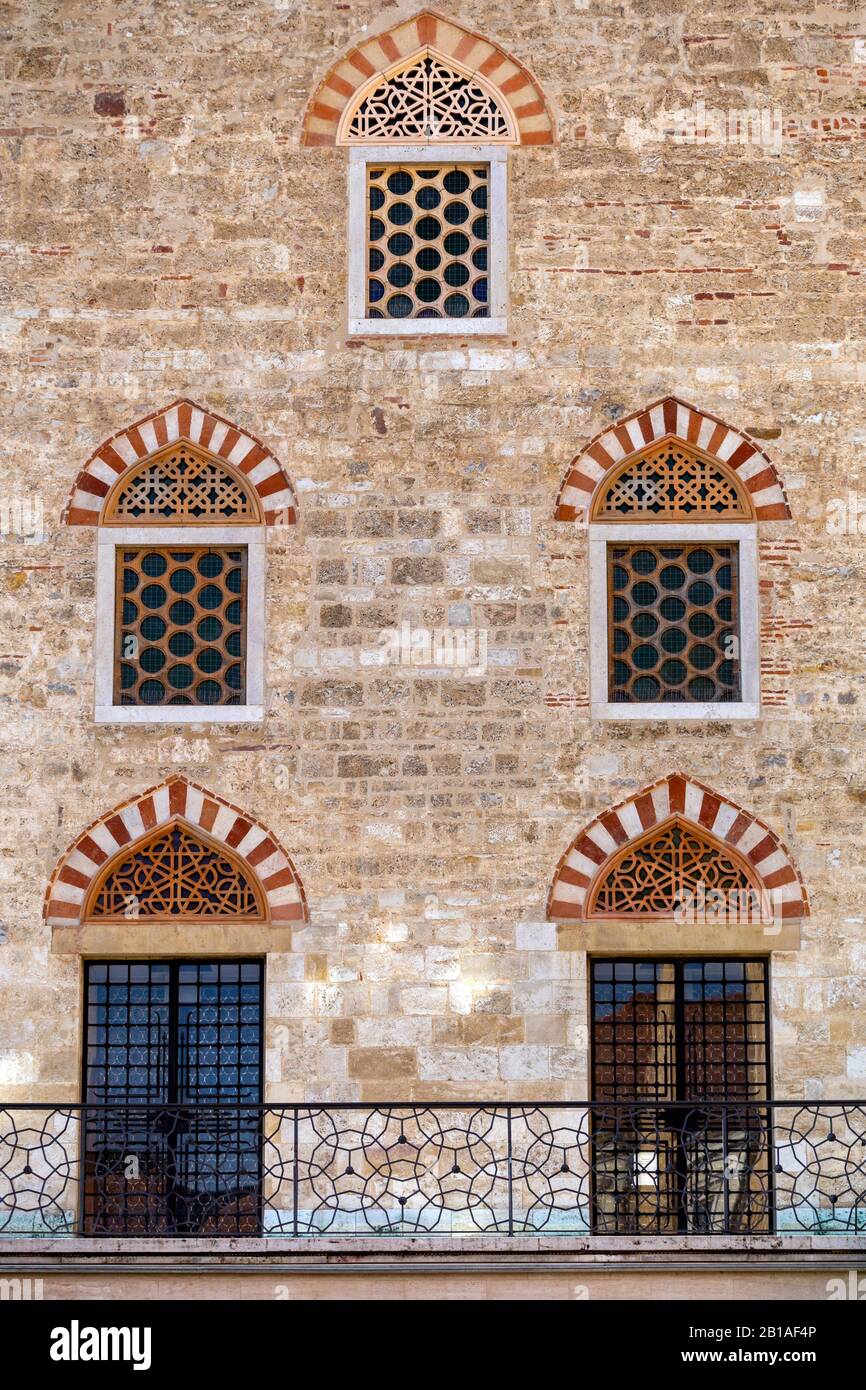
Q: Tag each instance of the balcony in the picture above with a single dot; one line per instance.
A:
(516, 1170)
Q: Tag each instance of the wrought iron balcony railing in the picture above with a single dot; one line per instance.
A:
(553, 1168)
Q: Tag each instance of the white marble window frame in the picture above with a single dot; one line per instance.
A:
(110, 539)
(745, 534)
(497, 321)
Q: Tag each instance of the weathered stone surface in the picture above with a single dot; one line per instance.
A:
(166, 235)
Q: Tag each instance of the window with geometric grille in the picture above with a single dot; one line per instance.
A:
(674, 627)
(176, 874)
(428, 241)
(180, 637)
(680, 1068)
(180, 593)
(173, 1069)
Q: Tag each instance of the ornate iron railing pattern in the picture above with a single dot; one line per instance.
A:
(554, 1168)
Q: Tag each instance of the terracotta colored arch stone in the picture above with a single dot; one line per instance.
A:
(112, 835)
(430, 32)
(672, 418)
(182, 420)
(601, 841)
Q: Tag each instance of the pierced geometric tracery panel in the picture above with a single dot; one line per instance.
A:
(180, 484)
(669, 483)
(665, 870)
(429, 101)
(176, 875)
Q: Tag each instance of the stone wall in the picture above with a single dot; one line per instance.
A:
(166, 235)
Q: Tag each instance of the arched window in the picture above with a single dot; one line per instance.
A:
(174, 898)
(679, 896)
(181, 500)
(428, 110)
(672, 498)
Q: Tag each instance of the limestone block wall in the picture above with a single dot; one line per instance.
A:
(167, 235)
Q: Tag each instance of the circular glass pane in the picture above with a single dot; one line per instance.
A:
(643, 593)
(209, 660)
(154, 565)
(210, 629)
(672, 577)
(399, 306)
(643, 562)
(208, 693)
(210, 597)
(428, 228)
(644, 624)
(456, 306)
(673, 672)
(152, 660)
(210, 565)
(673, 610)
(673, 640)
(645, 657)
(153, 596)
(182, 581)
(456, 243)
(701, 625)
(181, 643)
(399, 275)
(400, 244)
(399, 214)
(700, 593)
(400, 181)
(428, 290)
(428, 198)
(152, 628)
(702, 657)
(700, 562)
(456, 181)
(456, 274)
(180, 677)
(181, 612)
(151, 692)
(646, 688)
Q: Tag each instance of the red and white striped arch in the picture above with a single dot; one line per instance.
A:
(672, 418)
(355, 72)
(177, 799)
(182, 420)
(675, 795)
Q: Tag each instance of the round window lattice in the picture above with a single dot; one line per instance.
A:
(429, 101)
(672, 482)
(181, 620)
(181, 483)
(175, 874)
(673, 624)
(428, 241)
(653, 877)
